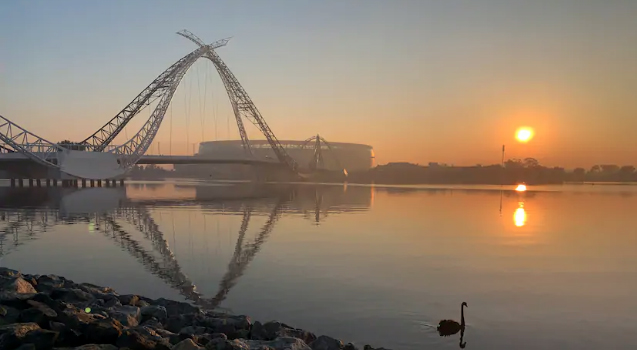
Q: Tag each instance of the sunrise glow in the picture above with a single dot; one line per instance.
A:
(521, 188)
(524, 134)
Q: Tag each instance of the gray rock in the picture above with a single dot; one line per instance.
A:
(5, 272)
(326, 343)
(105, 331)
(176, 322)
(13, 335)
(47, 283)
(281, 343)
(152, 323)
(176, 307)
(43, 339)
(271, 330)
(157, 311)
(350, 346)
(73, 296)
(96, 347)
(139, 339)
(127, 315)
(16, 285)
(8, 315)
(224, 344)
(26, 347)
(193, 330)
(187, 344)
(128, 299)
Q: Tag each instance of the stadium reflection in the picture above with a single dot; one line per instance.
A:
(26, 214)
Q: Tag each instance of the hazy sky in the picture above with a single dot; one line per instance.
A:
(419, 80)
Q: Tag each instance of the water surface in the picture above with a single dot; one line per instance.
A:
(551, 268)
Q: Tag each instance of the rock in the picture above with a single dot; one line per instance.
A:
(127, 315)
(153, 323)
(207, 338)
(47, 283)
(176, 307)
(281, 343)
(136, 339)
(43, 339)
(76, 297)
(224, 344)
(176, 322)
(187, 344)
(26, 347)
(128, 299)
(193, 330)
(326, 343)
(369, 347)
(8, 315)
(5, 272)
(13, 335)
(156, 311)
(350, 346)
(39, 313)
(16, 285)
(67, 337)
(96, 347)
(93, 289)
(106, 331)
(271, 330)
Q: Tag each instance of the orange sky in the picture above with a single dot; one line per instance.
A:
(422, 82)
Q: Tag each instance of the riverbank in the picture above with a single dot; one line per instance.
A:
(41, 312)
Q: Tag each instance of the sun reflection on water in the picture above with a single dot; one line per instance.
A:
(519, 217)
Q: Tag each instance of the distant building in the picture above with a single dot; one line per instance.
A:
(351, 156)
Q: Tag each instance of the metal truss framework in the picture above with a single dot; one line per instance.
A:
(163, 88)
(242, 104)
(317, 158)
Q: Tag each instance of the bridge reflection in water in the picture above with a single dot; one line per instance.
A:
(26, 214)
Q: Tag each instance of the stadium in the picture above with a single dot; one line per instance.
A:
(336, 155)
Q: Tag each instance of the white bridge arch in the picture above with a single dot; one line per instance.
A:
(96, 158)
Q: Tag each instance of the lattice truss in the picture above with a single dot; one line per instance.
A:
(14, 138)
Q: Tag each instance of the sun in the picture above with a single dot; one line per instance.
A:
(524, 134)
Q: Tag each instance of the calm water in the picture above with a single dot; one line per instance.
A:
(552, 268)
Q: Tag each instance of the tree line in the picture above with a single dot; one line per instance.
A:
(528, 170)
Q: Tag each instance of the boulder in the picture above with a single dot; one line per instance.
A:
(128, 299)
(187, 344)
(47, 283)
(326, 343)
(8, 315)
(16, 285)
(127, 315)
(14, 335)
(271, 330)
(154, 311)
(139, 339)
(5, 272)
(96, 347)
(176, 307)
(281, 343)
(105, 331)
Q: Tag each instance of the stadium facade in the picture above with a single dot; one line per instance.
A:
(338, 156)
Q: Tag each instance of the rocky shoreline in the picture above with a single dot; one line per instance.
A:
(41, 312)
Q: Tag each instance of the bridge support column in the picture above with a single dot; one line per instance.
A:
(75, 183)
(99, 183)
(38, 182)
(48, 182)
(30, 182)
(20, 183)
(121, 182)
(92, 183)
(55, 182)
(83, 182)
(12, 182)
(107, 183)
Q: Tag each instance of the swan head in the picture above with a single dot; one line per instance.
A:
(464, 303)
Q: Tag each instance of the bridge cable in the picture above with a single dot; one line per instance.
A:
(170, 138)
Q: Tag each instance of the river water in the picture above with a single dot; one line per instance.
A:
(551, 268)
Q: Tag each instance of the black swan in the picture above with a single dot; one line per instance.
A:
(450, 327)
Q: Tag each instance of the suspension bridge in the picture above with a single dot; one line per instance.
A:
(23, 154)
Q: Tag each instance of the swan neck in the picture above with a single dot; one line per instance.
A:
(462, 315)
